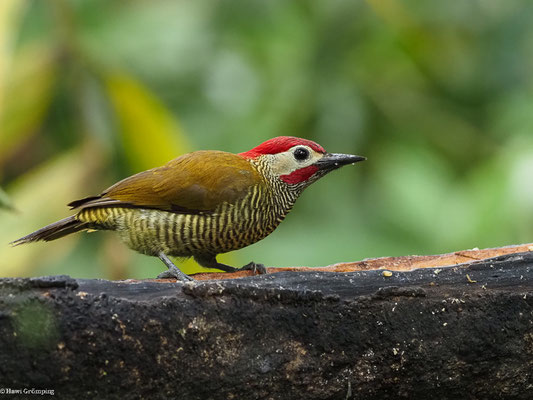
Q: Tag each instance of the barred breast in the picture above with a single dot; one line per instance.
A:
(229, 227)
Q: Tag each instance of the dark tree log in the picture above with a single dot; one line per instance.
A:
(458, 332)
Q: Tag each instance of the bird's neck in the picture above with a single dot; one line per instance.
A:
(281, 195)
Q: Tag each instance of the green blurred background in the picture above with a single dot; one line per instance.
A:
(437, 95)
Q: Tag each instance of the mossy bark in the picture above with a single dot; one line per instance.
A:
(464, 331)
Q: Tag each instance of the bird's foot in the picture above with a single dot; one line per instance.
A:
(211, 262)
(173, 272)
(256, 268)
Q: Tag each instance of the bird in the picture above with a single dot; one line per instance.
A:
(203, 203)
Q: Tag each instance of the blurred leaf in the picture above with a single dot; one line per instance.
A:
(29, 91)
(166, 34)
(10, 12)
(151, 135)
(5, 202)
(41, 196)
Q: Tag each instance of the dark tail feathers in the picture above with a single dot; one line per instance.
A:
(53, 231)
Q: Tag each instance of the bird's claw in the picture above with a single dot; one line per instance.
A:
(174, 273)
(256, 268)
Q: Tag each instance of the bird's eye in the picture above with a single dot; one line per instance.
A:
(301, 153)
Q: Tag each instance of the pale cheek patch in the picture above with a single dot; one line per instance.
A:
(285, 164)
(300, 175)
(282, 164)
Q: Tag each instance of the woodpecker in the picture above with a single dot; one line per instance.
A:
(203, 203)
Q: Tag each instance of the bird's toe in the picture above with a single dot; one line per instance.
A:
(174, 274)
(256, 268)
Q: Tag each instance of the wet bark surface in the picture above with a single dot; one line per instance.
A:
(458, 332)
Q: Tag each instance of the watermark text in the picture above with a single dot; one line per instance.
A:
(27, 391)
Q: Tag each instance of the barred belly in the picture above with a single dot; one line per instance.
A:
(228, 227)
(150, 231)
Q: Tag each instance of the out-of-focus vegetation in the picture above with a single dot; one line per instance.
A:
(437, 95)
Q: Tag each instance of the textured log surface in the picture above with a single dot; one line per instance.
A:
(404, 263)
(459, 332)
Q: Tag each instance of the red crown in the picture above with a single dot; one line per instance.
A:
(279, 145)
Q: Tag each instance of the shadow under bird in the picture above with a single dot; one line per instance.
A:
(203, 203)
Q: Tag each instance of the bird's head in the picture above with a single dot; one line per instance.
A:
(298, 162)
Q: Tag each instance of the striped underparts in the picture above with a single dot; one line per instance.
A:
(229, 227)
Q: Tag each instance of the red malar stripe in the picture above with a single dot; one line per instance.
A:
(300, 175)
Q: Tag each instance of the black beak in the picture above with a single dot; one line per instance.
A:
(332, 161)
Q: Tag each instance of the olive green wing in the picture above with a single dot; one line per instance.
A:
(193, 183)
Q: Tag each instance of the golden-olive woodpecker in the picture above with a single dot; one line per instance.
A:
(203, 203)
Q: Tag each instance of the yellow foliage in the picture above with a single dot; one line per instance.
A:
(151, 136)
(28, 88)
(40, 197)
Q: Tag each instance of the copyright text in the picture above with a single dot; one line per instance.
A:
(27, 391)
